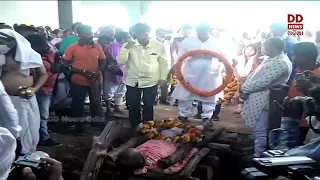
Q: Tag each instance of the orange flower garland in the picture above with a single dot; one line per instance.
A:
(227, 65)
(230, 90)
(193, 134)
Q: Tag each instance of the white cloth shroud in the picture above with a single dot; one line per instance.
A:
(204, 74)
(28, 57)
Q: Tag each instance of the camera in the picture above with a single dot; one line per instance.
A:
(58, 57)
(308, 104)
(64, 68)
(31, 160)
(300, 76)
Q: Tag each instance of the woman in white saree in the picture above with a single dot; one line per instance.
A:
(21, 58)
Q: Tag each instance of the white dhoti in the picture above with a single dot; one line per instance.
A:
(203, 73)
(7, 152)
(29, 120)
(28, 110)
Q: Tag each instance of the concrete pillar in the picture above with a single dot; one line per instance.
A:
(133, 9)
(65, 13)
(144, 6)
(136, 9)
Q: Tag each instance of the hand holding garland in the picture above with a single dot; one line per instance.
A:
(228, 70)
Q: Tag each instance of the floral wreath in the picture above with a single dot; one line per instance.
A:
(230, 90)
(149, 129)
(227, 65)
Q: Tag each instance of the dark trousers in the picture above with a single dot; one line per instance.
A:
(164, 92)
(199, 108)
(303, 131)
(127, 105)
(215, 113)
(134, 101)
(79, 93)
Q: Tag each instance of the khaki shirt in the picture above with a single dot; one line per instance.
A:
(144, 65)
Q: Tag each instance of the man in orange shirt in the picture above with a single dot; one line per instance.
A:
(87, 59)
(305, 59)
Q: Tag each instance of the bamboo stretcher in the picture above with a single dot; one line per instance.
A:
(98, 154)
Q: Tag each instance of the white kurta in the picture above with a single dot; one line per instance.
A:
(9, 118)
(7, 152)
(273, 71)
(203, 74)
(166, 45)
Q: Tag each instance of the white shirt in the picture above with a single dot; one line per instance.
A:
(8, 114)
(55, 41)
(144, 65)
(166, 45)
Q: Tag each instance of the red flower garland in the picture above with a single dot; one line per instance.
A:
(224, 60)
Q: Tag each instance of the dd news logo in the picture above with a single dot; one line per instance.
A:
(295, 26)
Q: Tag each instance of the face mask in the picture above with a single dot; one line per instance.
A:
(4, 49)
(264, 51)
(161, 39)
(60, 34)
(2, 59)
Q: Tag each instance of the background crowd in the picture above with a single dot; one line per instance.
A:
(99, 66)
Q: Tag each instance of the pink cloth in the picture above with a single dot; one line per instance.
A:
(179, 165)
(154, 150)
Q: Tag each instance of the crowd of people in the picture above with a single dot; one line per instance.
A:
(114, 65)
